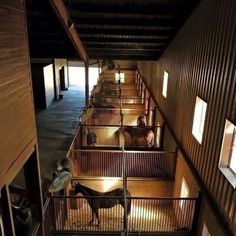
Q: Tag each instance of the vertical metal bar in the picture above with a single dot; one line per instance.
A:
(162, 136)
(196, 212)
(7, 212)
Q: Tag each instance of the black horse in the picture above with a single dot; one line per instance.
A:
(96, 203)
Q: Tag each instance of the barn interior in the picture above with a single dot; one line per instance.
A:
(122, 112)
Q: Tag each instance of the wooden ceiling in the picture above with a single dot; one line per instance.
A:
(116, 29)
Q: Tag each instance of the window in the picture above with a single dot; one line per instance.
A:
(121, 77)
(199, 119)
(184, 192)
(165, 83)
(227, 162)
(205, 231)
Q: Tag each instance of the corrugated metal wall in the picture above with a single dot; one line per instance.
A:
(201, 61)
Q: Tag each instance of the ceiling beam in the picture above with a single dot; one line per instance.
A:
(124, 44)
(130, 31)
(127, 21)
(130, 48)
(125, 15)
(127, 56)
(123, 51)
(124, 38)
(60, 10)
(125, 27)
(143, 7)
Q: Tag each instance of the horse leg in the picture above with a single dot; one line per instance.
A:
(91, 221)
(96, 212)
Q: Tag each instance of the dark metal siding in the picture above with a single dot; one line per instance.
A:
(201, 62)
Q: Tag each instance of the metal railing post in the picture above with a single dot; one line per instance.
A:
(196, 213)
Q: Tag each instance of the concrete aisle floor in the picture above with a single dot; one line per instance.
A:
(56, 127)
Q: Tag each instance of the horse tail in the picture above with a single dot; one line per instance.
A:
(128, 203)
(128, 207)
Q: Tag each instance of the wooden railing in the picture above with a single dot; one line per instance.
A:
(146, 215)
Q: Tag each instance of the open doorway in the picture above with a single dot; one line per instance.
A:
(77, 76)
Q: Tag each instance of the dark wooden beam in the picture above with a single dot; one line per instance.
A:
(126, 15)
(123, 54)
(60, 10)
(124, 50)
(125, 27)
(131, 33)
(125, 39)
(118, 56)
(142, 7)
(127, 31)
(125, 44)
(128, 21)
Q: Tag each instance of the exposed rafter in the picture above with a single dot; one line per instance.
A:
(61, 11)
(116, 29)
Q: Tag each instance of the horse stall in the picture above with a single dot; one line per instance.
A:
(149, 174)
(146, 214)
(115, 136)
(113, 116)
(109, 163)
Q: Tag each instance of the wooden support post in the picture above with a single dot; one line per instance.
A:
(196, 213)
(33, 181)
(86, 85)
(162, 136)
(148, 109)
(7, 216)
(154, 116)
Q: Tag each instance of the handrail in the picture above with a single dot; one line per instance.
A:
(146, 214)
(120, 151)
(120, 197)
(133, 126)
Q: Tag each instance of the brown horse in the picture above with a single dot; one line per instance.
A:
(116, 197)
(140, 136)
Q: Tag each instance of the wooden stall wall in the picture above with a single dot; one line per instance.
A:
(17, 120)
(125, 64)
(201, 62)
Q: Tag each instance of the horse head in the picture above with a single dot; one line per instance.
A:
(77, 188)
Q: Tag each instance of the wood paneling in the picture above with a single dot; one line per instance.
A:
(17, 121)
(201, 62)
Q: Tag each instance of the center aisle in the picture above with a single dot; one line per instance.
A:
(56, 128)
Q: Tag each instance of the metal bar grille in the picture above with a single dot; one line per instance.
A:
(146, 215)
(138, 164)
